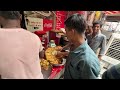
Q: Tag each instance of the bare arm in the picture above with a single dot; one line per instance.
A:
(62, 54)
(66, 46)
(42, 54)
(57, 31)
(103, 47)
(41, 51)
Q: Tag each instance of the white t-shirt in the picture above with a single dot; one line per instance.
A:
(19, 54)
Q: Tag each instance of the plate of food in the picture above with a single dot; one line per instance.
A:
(63, 61)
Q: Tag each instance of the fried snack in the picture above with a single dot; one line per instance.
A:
(50, 54)
(54, 62)
(44, 64)
(58, 48)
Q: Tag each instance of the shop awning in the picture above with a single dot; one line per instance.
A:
(112, 16)
(111, 13)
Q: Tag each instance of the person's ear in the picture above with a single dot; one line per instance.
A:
(73, 31)
(20, 17)
(1, 20)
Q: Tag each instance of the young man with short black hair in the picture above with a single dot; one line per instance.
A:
(82, 63)
(97, 40)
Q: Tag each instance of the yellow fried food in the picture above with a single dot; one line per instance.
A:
(50, 54)
(58, 48)
(44, 64)
(54, 62)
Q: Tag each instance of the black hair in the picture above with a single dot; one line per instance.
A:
(97, 22)
(23, 25)
(10, 14)
(77, 22)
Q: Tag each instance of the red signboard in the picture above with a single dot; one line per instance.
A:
(47, 24)
(60, 18)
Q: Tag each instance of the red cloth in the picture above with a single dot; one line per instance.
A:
(40, 35)
(55, 71)
(40, 32)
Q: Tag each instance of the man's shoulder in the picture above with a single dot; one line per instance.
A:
(86, 53)
(88, 59)
(90, 55)
(102, 35)
(30, 34)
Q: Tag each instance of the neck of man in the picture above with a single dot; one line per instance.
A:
(11, 24)
(78, 41)
(95, 33)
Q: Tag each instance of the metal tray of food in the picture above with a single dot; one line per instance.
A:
(63, 63)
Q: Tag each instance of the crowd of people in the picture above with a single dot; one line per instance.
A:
(21, 50)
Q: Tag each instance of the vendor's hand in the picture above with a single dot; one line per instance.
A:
(59, 48)
(59, 54)
(63, 30)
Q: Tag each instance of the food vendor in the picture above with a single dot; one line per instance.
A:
(63, 39)
(82, 62)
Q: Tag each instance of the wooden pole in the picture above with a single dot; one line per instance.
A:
(52, 35)
(54, 21)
